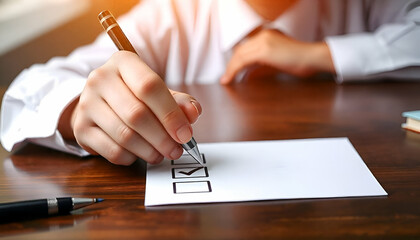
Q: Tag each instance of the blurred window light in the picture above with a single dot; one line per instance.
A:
(23, 20)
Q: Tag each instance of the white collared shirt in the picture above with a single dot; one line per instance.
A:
(191, 41)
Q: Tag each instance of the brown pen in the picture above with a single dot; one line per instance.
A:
(111, 27)
(114, 31)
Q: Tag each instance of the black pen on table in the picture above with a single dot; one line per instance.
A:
(114, 31)
(43, 207)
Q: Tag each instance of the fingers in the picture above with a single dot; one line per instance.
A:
(100, 131)
(125, 136)
(134, 119)
(105, 146)
(94, 140)
(149, 88)
(244, 55)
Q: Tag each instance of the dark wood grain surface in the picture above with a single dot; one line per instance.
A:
(368, 114)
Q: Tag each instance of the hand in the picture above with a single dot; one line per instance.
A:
(126, 111)
(274, 49)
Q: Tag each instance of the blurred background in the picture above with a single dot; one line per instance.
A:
(33, 31)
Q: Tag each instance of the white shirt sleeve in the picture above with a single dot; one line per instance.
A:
(389, 52)
(33, 103)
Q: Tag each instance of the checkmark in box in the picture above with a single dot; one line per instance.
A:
(189, 172)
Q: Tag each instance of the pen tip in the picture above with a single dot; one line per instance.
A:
(99, 200)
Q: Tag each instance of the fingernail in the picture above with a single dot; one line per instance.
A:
(194, 103)
(176, 152)
(184, 133)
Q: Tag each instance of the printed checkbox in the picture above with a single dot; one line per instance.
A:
(189, 172)
(187, 159)
(192, 187)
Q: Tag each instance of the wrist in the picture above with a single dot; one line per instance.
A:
(65, 124)
(320, 59)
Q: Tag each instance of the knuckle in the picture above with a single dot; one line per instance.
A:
(81, 134)
(171, 116)
(124, 134)
(78, 130)
(265, 34)
(95, 77)
(78, 135)
(115, 154)
(136, 113)
(83, 104)
(118, 54)
(121, 55)
(151, 84)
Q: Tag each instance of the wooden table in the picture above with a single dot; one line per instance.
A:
(368, 114)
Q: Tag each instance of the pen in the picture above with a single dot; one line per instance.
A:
(114, 31)
(43, 207)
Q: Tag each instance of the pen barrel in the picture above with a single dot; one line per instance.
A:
(114, 31)
(35, 208)
(24, 209)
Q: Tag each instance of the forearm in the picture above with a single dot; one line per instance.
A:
(305, 59)
(319, 59)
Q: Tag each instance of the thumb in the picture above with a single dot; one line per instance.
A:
(188, 104)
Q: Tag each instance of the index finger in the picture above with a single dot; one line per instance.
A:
(149, 88)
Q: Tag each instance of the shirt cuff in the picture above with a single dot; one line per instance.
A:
(357, 56)
(39, 124)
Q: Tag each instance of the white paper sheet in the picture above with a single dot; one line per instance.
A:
(263, 170)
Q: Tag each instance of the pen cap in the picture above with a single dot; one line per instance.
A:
(114, 31)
